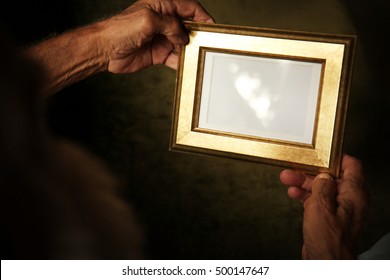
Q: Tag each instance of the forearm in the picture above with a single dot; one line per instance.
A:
(142, 35)
(69, 57)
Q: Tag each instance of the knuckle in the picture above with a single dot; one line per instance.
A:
(147, 20)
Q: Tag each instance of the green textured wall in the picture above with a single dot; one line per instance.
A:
(196, 207)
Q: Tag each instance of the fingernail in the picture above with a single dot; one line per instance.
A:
(324, 176)
(210, 20)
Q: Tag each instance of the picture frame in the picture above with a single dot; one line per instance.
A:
(271, 96)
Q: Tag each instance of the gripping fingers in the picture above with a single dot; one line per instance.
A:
(296, 178)
(298, 193)
(192, 9)
(172, 28)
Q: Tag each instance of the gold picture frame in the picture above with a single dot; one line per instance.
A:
(272, 96)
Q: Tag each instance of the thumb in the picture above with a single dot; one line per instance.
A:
(324, 191)
(320, 227)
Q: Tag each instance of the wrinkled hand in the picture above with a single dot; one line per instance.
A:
(147, 33)
(334, 210)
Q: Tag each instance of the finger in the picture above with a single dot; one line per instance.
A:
(192, 9)
(352, 170)
(353, 198)
(296, 178)
(172, 61)
(353, 195)
(185, 9)
(298, 193)
(172, 29)
(164, 52)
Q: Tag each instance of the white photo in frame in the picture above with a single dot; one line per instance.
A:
(260, 96)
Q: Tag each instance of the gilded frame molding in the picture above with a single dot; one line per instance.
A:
(335, 53)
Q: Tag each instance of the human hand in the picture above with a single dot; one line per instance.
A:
(147, 33)
(334, 210)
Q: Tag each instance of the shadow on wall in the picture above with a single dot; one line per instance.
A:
(197, 207)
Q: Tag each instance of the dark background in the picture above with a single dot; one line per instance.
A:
(195, 207)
